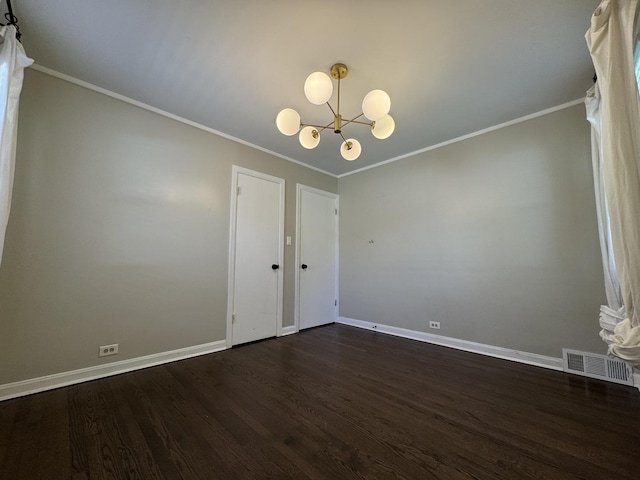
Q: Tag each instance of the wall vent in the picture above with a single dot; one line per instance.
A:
(597, 366)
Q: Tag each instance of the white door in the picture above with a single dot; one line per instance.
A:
(255, 266)
(317, 253)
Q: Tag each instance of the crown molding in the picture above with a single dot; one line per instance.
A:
(144, 106)
(541, 113)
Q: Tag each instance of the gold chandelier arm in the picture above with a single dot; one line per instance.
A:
(321, 127)
(353, 120)
(331, 108)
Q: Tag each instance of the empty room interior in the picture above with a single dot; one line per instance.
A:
(321, 240)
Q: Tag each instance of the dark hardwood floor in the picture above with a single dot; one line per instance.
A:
(334, 402)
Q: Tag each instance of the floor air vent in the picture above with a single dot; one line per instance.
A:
(597, 366)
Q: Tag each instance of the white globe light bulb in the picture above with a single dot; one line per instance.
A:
(384, 127)
(318, 88)
(350, 149)
(376, 104)
(309, 137)
(288, 122)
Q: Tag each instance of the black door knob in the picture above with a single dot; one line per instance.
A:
(304, 266)
(275, 266)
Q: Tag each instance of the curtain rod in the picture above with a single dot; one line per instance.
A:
(12, 19)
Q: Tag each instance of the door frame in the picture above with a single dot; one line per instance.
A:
(235, 172)
(299, 189)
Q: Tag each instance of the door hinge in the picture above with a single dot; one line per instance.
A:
(336, 302)
(233, 318)
(237, 190)
(336, 211)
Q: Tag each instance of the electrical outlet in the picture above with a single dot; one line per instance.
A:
(435, 325)
(107, 350)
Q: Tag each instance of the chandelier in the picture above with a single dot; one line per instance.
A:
(318, 88)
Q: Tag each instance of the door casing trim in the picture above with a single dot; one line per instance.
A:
(235, 172)
(299, 189)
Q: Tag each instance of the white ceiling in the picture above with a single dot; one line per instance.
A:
(451, 67)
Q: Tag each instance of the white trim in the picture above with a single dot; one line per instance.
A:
(232, 255)
(164, 113)
(280, 257)
(572, 103)
(291, 329)
(337, 255)
(49, 382)
(636, 378)
(336, 198)
(144, 106)
(296, 263)
(552, 363)
(235, 171)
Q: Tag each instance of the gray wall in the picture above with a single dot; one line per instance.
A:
(495, 237)
(119, 231)
(120, 225)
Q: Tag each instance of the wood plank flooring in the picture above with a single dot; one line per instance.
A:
(334, 402)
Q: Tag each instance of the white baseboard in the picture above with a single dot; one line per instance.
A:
(552, 363)
(636, 378)
(291, 329)
(49, 382)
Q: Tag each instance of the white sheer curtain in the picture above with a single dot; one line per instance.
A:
(13, 61)
(614, 112)
(614, 312)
